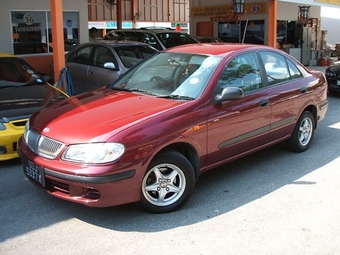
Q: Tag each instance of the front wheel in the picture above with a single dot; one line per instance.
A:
(303, 133)
(168, 183)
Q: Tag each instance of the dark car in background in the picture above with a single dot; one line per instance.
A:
(70, 44)
(99, 63)
(208, 39)
(333, 77)
(23, 91)
(148, 136)
(31, 48)
(160, 39)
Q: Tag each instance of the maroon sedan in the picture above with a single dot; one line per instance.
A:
(148, 136)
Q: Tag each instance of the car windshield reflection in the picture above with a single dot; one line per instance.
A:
(180, 76)
(15, 72)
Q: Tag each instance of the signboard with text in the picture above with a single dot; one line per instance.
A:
(225, 10)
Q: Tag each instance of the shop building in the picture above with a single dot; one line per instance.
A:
(28, 23)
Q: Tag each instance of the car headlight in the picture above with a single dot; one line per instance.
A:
(27, 127)
(2, 126)
(94, 152)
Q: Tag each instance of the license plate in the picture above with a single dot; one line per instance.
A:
(35, 172)
(338, 82)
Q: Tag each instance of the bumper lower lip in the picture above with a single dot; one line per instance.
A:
(91, 179)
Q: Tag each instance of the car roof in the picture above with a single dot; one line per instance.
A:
(217, 49)
(116, 43)
(148, 30)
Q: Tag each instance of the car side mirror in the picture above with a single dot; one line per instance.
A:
(110, 65)
(229, 93)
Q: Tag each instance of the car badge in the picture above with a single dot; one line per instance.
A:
(46, 130)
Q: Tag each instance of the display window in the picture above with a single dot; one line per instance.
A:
(32, 31)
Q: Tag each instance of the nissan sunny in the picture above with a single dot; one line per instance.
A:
(148, 136)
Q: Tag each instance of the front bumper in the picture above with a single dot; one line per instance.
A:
(69, 182)
(333, 84)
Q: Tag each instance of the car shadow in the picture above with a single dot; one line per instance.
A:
(218, 192)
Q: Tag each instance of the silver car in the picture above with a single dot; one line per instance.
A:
(96, 64)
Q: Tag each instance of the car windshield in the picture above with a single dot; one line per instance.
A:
(171, 75)
(16, 72)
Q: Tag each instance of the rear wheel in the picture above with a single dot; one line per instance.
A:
(303, 133)
(168, 183)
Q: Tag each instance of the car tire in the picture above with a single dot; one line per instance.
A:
(168, 183)
(303, 133)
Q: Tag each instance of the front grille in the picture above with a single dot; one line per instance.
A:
(42, 145)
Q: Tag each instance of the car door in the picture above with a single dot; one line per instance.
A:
(99, 75)
(241, 125)
(284, 88)
(78, 63)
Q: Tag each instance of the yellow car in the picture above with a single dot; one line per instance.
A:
(23, 91)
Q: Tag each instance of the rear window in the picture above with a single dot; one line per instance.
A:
(132, 55)
(134, 36)
(157, 39)
(173, 39)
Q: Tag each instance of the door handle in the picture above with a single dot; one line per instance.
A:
(264, 102)
(91, 72)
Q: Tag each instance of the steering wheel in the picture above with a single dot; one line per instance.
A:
(159, 80)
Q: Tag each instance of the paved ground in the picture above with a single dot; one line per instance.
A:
(319, 68)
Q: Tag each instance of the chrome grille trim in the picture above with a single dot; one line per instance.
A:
(44, 146)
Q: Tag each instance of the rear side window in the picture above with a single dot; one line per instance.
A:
(294, 71)
(276, 67)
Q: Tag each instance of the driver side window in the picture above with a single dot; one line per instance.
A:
(242, 71)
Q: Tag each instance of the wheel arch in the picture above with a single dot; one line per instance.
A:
(188, 151)
(313, 110)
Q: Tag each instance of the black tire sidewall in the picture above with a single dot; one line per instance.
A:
(293, 142)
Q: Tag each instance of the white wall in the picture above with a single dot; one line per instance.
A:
(330, 21)
(38, 5)
(290, 11)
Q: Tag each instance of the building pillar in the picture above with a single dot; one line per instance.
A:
(272, 22)
(57, 37)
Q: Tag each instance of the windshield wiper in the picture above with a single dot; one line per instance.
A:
(178, 97)
(141, 91)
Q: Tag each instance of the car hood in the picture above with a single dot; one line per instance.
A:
(97, 115)
(17, 102)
